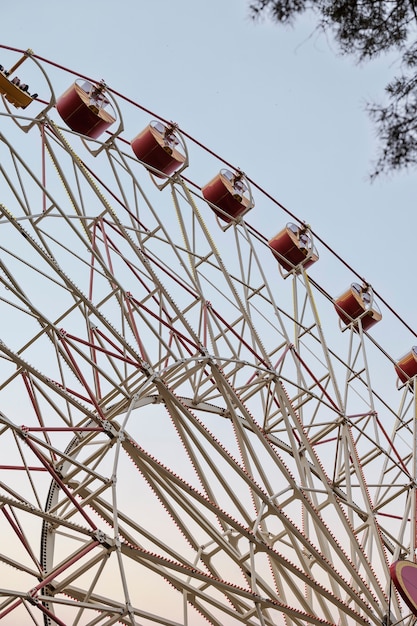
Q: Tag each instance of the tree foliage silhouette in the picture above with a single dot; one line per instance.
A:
(366, 29)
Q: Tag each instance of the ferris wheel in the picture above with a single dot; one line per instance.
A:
(193, 429)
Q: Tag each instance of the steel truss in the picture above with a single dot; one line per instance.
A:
(185, 435)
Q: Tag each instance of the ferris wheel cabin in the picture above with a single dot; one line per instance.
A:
(12, 88)
(157, 147)
(293, 247)
(228, 195)
(83, 108)
(406, 367)
(358, 303)
(404, 576)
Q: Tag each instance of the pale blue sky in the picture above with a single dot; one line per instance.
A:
(279, 103)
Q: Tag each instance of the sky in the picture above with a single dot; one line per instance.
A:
(279, 103)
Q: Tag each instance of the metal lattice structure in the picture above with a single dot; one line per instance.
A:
(185, 436)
